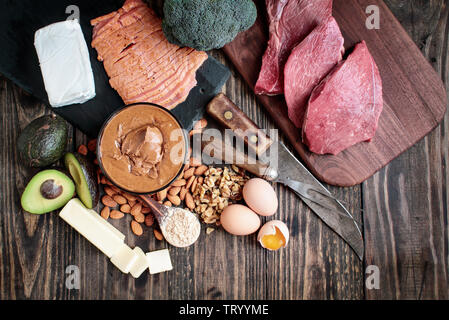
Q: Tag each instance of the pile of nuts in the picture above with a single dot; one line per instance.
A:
(220, 187)
(203, 189)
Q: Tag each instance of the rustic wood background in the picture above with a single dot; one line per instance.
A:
(405, 220)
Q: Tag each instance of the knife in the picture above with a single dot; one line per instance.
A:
(290, 171)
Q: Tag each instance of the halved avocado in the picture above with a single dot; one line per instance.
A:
(47, 191)
(83, 173)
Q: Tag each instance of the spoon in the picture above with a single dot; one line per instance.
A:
(180, 227)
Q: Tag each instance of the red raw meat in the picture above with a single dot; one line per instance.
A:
(308, 64)
(290, 22)
(344, 109)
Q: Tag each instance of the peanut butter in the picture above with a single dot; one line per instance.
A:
(142, 148)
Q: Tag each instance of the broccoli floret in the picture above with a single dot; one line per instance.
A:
(206, 24)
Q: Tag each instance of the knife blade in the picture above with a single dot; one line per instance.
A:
(291, 172)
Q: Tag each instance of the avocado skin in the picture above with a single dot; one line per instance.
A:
(89, 173)
(43, 141)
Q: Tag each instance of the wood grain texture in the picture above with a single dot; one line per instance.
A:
(414, 97)
(405, 204)
(405, 221)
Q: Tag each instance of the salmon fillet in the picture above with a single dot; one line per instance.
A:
(141, 64)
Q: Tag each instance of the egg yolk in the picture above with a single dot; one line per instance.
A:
(274, 241)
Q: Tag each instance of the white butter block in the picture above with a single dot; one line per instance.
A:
(98, 232)
(124, 258)
(65, 64)
(140, 265)
(159, 261)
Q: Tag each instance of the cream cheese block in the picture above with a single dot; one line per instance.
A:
(65, 64)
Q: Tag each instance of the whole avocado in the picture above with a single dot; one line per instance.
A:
(43, 141)
(206, 24)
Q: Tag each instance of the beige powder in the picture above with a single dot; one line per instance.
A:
(181, 228)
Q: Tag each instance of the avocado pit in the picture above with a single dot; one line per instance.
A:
(50, 189)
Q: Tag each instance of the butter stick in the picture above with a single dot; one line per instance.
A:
(93, 227)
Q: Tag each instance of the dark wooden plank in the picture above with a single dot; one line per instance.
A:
(407, 117)
(405, 204)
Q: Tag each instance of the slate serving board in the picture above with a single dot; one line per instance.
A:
(414, 95)
(18, 61)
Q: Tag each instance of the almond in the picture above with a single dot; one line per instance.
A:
(200, 180)
(103, 180)
(136, 228)
(195, 131)
(109, 191)
(105, 212)
(186, 167)
(200, 124)
(175, 200)
(193, 188)
(144, 204)
(195, 162)
(190, 181)
(119, 199)
(108, 201)
(131, 203)
(117, 190)
(161, 195)
(189, 173)
(174, 191)
(167, 203)
(92, 145)
(182, 193)
(139, 217)
(200, 170)
(129, 196)
(189, 201)
(115, 214)
(146, 210)
(149, 220)
(125, 208)
(136, 209)
(158, 235)
(82, 149)
(179, 183)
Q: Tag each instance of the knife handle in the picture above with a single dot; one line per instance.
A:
(222, 109)
(228, 154)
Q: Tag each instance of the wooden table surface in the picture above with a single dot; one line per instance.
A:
(403, 211)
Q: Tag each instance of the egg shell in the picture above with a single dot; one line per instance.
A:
(239, 220)
(269, 229)
(260, 196)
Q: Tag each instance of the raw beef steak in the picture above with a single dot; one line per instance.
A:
(344, 109)
(290, 22)
(308, 64)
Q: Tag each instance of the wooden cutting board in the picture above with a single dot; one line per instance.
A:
(414, 95)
